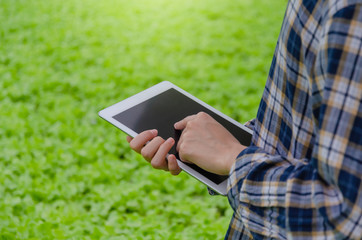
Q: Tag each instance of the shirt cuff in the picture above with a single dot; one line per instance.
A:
(238, 173)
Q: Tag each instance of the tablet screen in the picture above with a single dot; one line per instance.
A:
(163, 110)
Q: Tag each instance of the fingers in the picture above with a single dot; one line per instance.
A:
(141, 139)
(172, 165)
(182, 124)
(159, 159)
(149, 151)
(155, 150)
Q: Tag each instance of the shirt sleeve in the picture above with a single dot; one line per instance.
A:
(250, 124)
(279, 197)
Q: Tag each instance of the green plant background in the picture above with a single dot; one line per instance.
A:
(67, 174)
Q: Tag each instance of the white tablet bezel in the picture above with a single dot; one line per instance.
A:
(109, 112)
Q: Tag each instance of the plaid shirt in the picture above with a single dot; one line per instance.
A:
(301, 178)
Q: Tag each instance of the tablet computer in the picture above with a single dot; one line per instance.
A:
(162, 105)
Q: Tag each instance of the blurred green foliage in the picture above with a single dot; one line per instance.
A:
(67, 174)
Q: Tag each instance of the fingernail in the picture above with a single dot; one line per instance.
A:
(170, 140)
(154, 131)
(175, 125)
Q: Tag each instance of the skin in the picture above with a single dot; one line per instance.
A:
(203, 142)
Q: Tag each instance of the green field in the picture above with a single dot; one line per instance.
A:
(66, 173)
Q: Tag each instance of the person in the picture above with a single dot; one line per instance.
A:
(301, 177)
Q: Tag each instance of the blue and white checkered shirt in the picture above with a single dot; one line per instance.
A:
(301, 178)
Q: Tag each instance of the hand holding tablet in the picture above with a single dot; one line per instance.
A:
(160, 107)
(206, 143)
(154, 149)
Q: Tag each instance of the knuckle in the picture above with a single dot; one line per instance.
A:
(181, 147)
(185, 137)
(183, 157)
(202, 115)
(133, 145)
(159, 139)
(164, 146)
(156, 164)
(183, 150)
(145, 154)
(191, 124)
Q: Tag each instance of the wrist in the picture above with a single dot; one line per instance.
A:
(233, 154)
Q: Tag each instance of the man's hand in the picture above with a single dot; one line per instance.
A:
(207, 144)
(154, 149)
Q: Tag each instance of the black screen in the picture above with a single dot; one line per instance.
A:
(167, 108)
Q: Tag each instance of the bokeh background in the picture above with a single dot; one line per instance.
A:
(67, 174)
